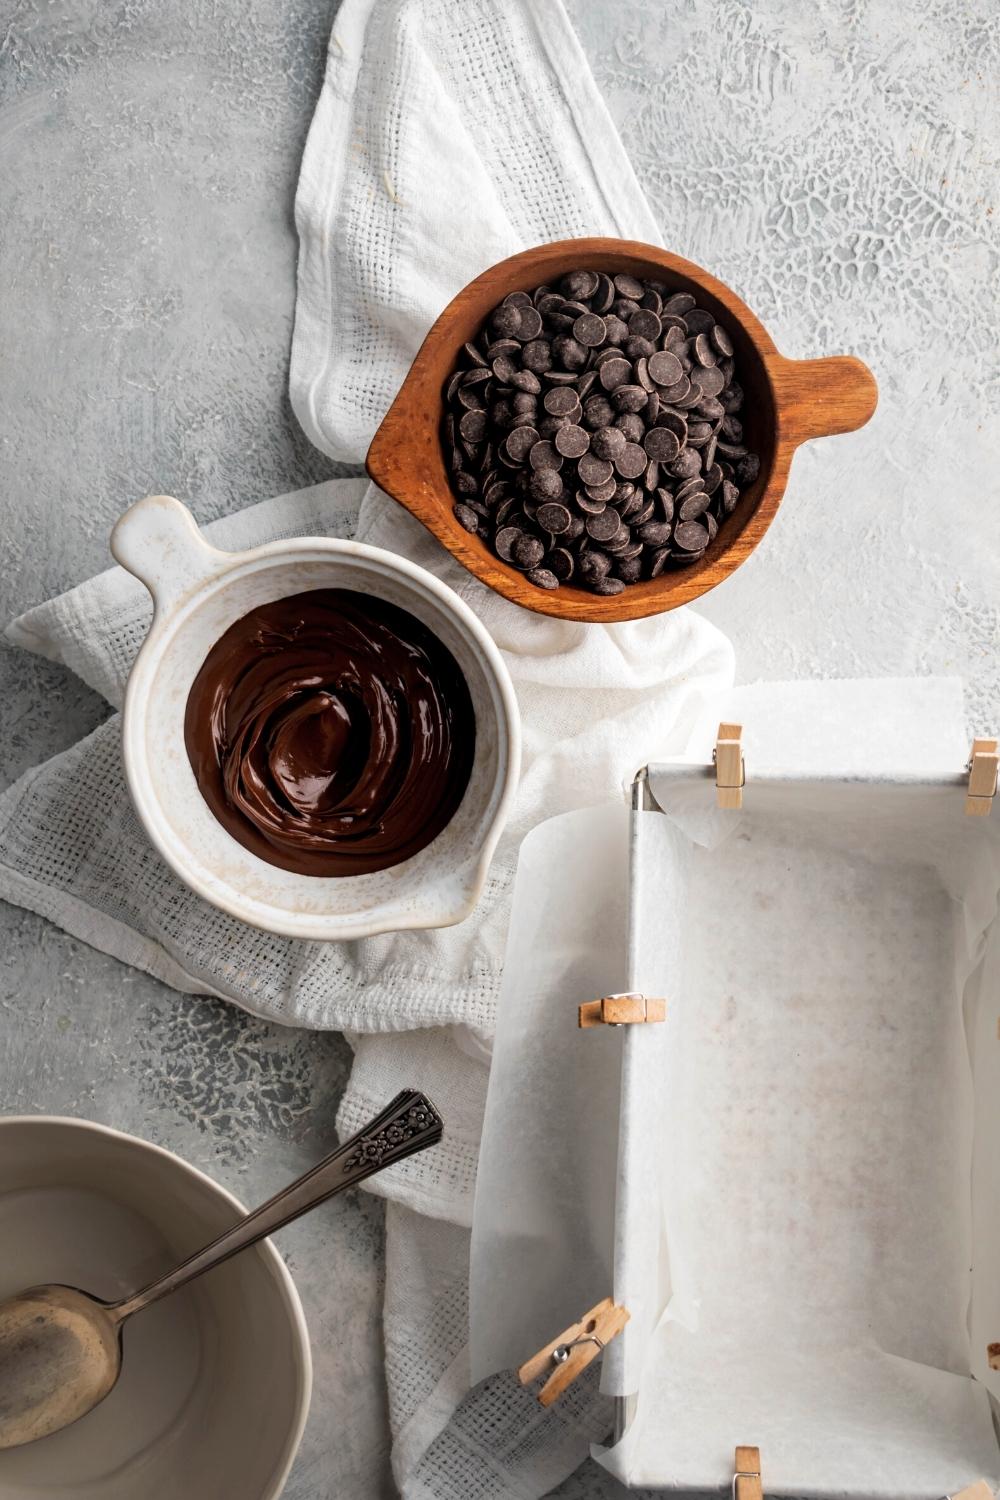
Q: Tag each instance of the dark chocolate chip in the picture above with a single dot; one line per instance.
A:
(631, 424)
(593, 469)
(713, 477)
(504, 369)
(644, 324)
(531, 324)
(520, 442)
(593, 564)
(543, 578)
(554, 518)
(602, 298)
(545, 485)
(570, 354)
(571, 441)
(597, 412)
(631, 461)
(504, 541)
(544, 455)
(537, 356)
(589, 330)
(615, 329)
(721, 341)
(628, 569)
(627, 286)
(686, 464)
(662, 444)
(473, 426)
(604, 526)
(615, 372)
(698, 320)
(506, 320)
(629, 398)
(560, 401)
(560, 560)
(524, 380)
(467, 517)
(694, 506)
(690, 487)
(665, 368)
(691, 536)
(527, 551)
(580, 284)
(711, 381)
(606, 443)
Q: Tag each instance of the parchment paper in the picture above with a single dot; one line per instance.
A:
(543, 1224)
(814, 1110)
(794, 1226)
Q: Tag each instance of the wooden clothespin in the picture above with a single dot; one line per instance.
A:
(629, 1009)
(982, 768)
(978, 1491)
(730, 768)
(573, 1350)
(746, 1475)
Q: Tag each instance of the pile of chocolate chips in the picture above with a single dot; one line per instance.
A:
(592, 431)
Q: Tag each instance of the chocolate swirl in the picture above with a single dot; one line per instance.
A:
(331, 733)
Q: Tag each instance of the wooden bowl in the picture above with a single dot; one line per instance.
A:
(788, 401)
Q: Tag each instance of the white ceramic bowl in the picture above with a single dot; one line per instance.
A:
(198, 592)
(215, 1381)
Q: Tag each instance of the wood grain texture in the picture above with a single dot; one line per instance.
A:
(730, 773)
(621, 1010)
(788, 403)
(748, 1484)
(595, 1330)
(978, 1491)
(984, 763)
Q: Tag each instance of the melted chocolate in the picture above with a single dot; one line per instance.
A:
(331, 733)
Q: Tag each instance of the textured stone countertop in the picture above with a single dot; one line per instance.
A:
(147, 259)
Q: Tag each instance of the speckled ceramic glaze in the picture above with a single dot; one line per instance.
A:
(215, 1383)
(198, 592)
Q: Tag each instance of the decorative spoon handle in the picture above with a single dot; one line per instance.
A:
(407, 1125)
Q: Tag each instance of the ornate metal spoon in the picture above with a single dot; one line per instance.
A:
(60, 1348)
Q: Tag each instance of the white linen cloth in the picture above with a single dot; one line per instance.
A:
(445, 138)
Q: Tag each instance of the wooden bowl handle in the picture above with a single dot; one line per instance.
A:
(818, 397)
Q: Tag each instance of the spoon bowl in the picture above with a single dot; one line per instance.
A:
(49, 1329)
(60, 1348)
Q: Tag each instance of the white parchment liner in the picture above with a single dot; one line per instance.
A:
(799, 1144)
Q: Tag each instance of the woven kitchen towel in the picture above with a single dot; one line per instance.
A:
(445, 137)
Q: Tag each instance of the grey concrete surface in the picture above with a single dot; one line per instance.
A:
(150, 151)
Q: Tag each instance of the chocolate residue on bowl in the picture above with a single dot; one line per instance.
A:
(331, 733)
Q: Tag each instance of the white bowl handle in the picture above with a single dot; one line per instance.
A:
(158, 541)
